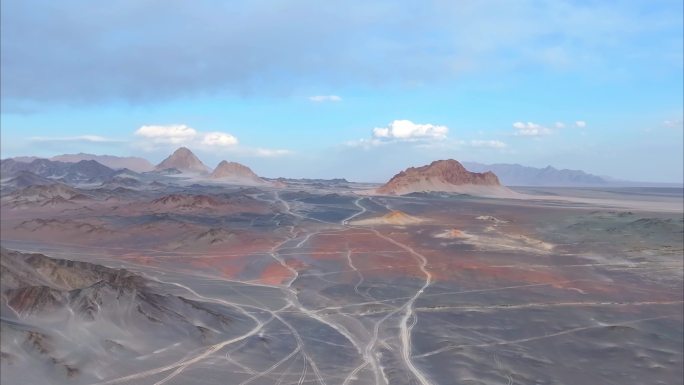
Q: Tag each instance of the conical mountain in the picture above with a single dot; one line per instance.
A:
(183, 160)
(235, 172)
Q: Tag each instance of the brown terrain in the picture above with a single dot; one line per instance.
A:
(445, 176)
(236, 172)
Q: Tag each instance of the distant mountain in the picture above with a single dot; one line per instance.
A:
(236, 172)
(444, 175)
(122, 181)
(134, 163)
(183, 160)
(85, 171)
(517, 175)
(24, 179)
(25, 159)
(44, 195)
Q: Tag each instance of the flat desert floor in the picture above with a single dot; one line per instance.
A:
(313, 284)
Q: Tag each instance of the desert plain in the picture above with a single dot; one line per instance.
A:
(158, 279)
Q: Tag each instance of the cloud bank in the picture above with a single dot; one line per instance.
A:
(89, 52)
(155, 137)
(182, 134)
(425, 136)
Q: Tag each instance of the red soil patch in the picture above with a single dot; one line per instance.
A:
(275, 274)
(334, 245)
(229, 268)
(464, 268)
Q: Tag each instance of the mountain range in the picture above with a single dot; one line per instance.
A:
(84, 171)
(19, 173)
(517, 175)
(133, 163)
(184, 161)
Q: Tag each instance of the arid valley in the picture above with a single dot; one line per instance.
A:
(385, 192)
(163, 277)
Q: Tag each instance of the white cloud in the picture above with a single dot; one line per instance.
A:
(580, 124)
(407, 130)
(258, 152)
(174, 133)
(270, 153)
(325, 98)
(559, 125)
(678, 123)
(530, 129)
(219, 139)
(488, 143)
(79, 138)
(365, 143)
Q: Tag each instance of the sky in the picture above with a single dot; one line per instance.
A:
(352, 89)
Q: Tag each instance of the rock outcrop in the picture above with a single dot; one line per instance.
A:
(445, 176)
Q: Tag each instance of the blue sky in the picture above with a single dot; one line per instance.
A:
(350, 89)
